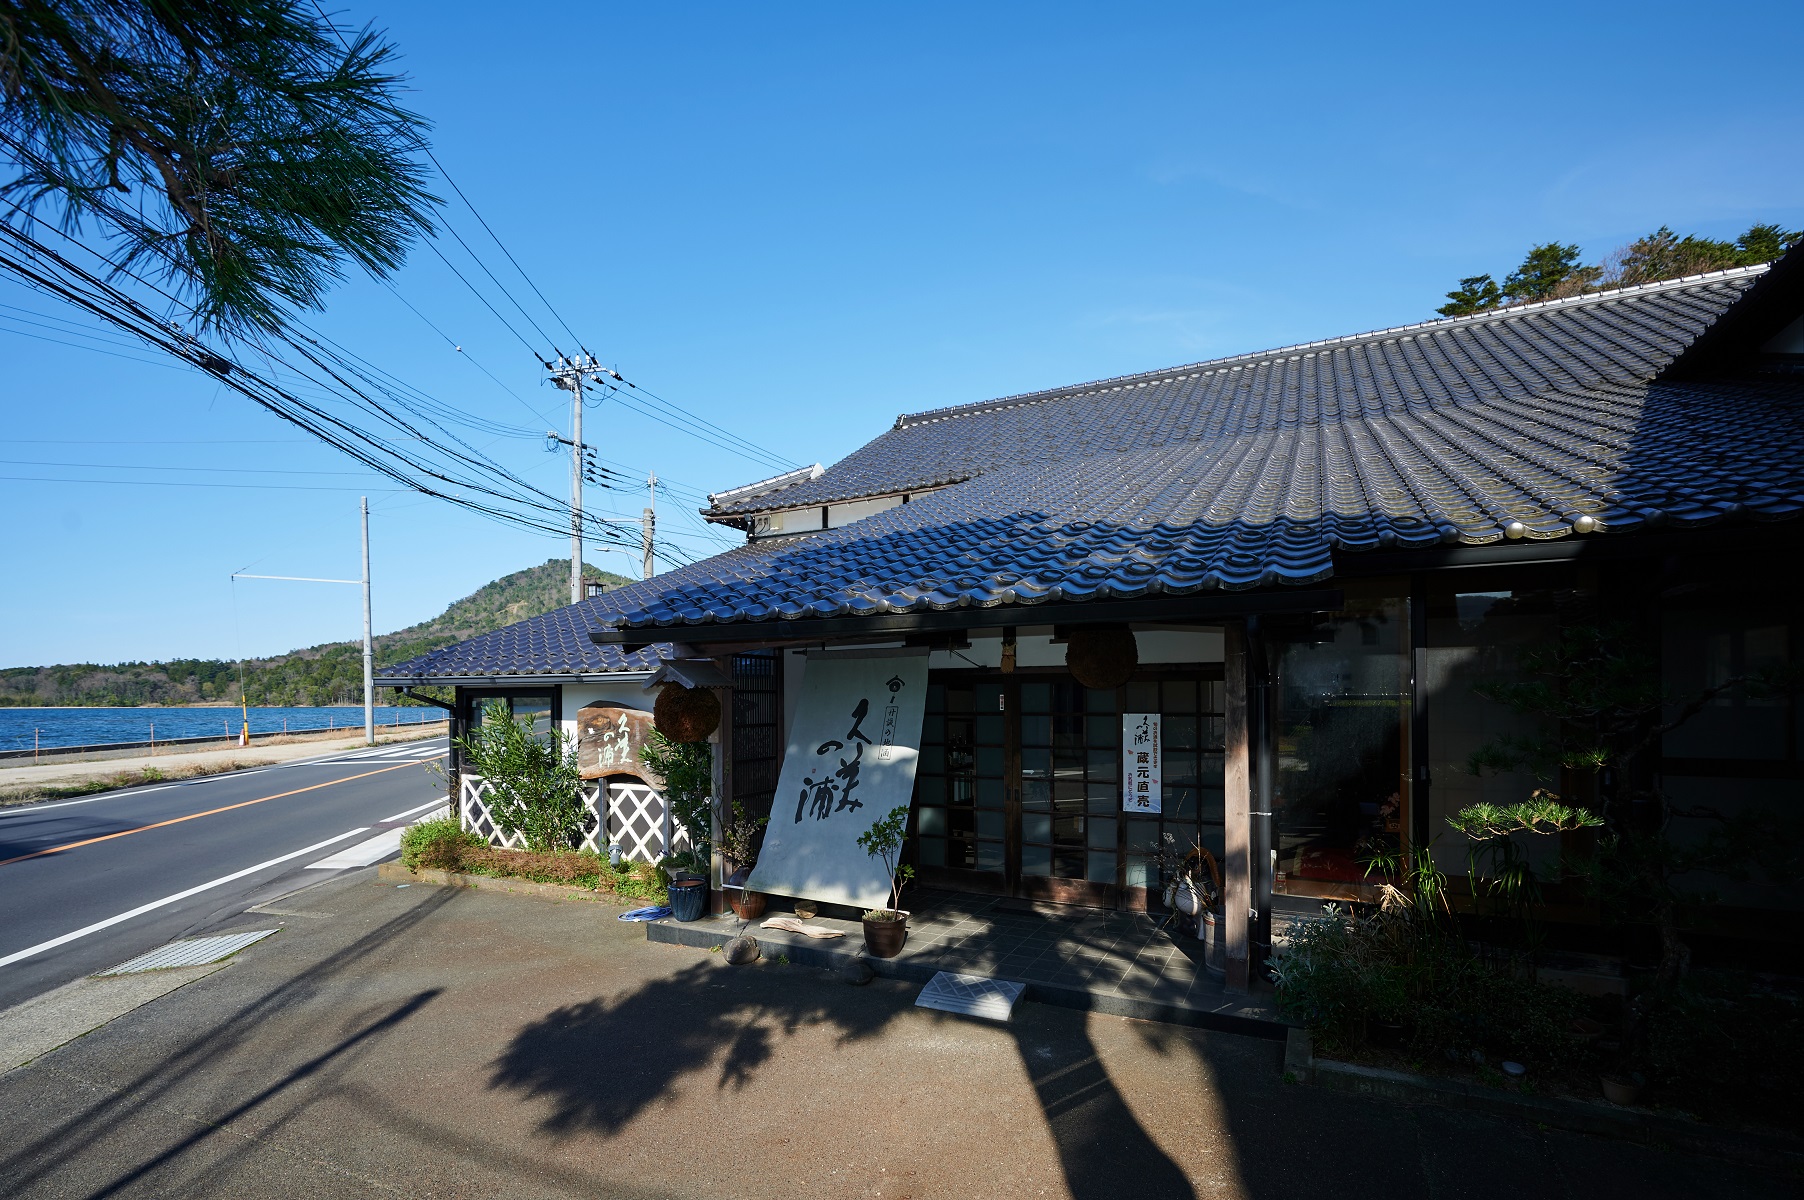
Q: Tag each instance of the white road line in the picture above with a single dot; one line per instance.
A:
(28, 809)
(402, 816)
(139, 911)
(362, 854)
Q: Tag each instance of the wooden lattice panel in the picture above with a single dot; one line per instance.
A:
(639, 822)
(472, 803)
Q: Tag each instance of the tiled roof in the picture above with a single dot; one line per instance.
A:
(1534, 422)
(1275, 501)
(1619, 337)
(556, 643)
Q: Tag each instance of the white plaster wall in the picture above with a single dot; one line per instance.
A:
(620, 695)
(1035, 648)
(858, 510)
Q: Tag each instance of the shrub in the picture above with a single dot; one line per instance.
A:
(1395, 965)
(435, 844)
(687, 771)
(535, 786)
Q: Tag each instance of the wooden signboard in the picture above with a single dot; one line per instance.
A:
(608, 740)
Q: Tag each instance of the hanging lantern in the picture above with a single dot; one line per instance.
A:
(1102, 657)
(685, 714)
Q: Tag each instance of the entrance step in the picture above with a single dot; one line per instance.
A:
(971, 996)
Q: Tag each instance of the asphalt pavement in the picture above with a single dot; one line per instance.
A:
(86, 884)
(409, 1040)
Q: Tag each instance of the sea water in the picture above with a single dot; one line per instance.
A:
(97, 726)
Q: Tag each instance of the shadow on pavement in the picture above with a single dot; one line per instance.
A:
(1101, 1143)
(599, 1064)
(44, 1156)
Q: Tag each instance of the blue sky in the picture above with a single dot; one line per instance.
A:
(801, 220)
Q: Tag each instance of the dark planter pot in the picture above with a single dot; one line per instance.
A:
(687, 900)
(884, 939)
(748, 906)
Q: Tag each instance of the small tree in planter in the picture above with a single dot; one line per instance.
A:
(740, 836)
(885, 929)
(535, 786)
(687, 769)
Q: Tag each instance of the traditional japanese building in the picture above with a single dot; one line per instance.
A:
(1318, 550)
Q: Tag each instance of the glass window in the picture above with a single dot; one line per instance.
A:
(1479, 634)
(1342, 703)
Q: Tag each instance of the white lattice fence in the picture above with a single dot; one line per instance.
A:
(472, 804)
(636, 819)
(639, 822)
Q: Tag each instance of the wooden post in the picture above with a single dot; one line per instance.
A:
(723, 795)
(1237, 884)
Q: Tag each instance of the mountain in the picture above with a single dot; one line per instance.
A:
(327, 674)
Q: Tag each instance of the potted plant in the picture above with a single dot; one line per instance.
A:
(740, 834)
(686, 887)
(886, 929)
(687, 770)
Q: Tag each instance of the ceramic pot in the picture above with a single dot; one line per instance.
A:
(1215, 951)
(1186, 899)
(748, 906)
(884, 939)
(687, 898)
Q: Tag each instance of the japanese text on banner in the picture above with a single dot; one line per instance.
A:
(1142, 768)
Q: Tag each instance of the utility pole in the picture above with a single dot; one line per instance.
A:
(369, 654)
(648, 522)
(569, 374)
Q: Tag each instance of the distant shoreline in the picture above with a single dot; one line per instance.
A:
(357, 704)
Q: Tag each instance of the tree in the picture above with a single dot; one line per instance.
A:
(1475, 293)
(1764, 243)
(1595, 692)
(687, 772)
(240, 149)
(1548, 272)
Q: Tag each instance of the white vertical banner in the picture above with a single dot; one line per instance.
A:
(851, 758)
(1142, 766)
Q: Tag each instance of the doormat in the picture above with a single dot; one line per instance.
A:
(971, 995)
(191, 953)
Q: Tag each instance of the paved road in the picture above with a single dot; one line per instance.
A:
(462, 1043)
(86, 884)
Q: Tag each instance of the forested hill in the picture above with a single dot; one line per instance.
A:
(328, 674)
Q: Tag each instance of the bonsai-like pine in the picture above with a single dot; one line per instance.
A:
(687, 769)
(883, 842)
(535, 786)
(1595, 691)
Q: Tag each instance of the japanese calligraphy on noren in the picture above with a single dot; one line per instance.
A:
(850, 758)
(1142, 768)
(832, 792)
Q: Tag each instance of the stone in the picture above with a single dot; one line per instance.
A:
(740, 951)
(855, 971)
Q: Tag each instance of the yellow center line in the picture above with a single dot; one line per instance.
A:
(107, 837)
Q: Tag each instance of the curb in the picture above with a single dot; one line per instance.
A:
(555, 891)
(1606, 1120)
(808, 952)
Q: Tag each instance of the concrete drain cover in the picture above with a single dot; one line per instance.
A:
(192, 953)
(972, 995)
